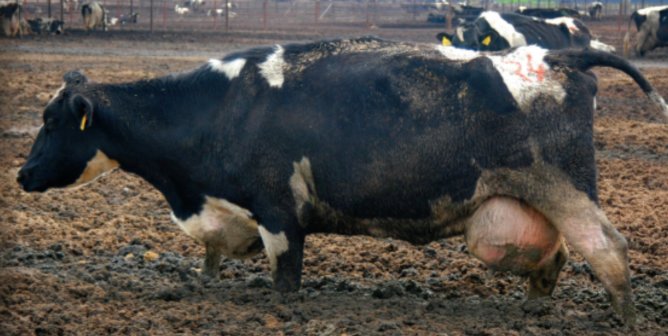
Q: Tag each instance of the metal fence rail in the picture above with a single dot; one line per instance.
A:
(295, 15)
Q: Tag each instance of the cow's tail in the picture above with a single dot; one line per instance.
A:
(587, 58)
(626, 44)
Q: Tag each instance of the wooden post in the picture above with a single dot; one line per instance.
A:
(151, 17)
(227, 15)
(49, 9)
(264, 14)
(164, 14)
(619, 17)
(62, 10)
(448, 18)
(214, 13)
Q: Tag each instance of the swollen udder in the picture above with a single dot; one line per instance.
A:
(509, 235)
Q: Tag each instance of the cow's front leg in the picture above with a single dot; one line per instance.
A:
(212, 261)
(284, 245)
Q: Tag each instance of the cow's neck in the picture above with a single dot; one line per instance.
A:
(159, 132)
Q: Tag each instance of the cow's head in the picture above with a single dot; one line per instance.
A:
(462, 38)
(484, 37)
(66, 152)
(57, 27)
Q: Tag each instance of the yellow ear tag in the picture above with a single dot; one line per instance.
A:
(487, 40)
(83, 122)
(446, 42)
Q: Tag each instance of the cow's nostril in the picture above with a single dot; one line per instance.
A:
(22, 176)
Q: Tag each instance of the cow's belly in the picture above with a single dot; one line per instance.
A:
(509, 235)
(223, 226)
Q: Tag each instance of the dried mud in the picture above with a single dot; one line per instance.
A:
(106, 259)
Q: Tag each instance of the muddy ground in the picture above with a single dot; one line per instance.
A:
(106, 259)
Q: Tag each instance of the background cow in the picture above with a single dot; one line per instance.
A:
(339, 136)
(10, 18)
(596, 10)
(47, 25)
(94, 15)
(652, 26)
(492, 31)
(548, 13)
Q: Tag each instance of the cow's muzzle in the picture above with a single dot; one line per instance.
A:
(26, 179)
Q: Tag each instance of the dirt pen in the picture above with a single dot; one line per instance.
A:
(106, 258)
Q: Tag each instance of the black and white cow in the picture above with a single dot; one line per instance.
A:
(358, 136)
(596, 10)
(493, 31)
(46, 25)
(652, 26)
(10, 18)
(94, 15)
(548, 13)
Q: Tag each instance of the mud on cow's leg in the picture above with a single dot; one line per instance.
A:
(285, 250)
(212, 261)
(585, 226)
(543, 280)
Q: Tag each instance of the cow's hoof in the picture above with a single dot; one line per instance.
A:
(626, 311)
(286, 286)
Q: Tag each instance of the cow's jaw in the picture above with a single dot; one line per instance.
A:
(99, 165)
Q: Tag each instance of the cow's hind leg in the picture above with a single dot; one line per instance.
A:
(584, 225)
(543, 280)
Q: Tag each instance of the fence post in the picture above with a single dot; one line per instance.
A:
(227, 15)
(151, 17)
(164, 13)
(264, 14)
(62, 9)
(214, 13)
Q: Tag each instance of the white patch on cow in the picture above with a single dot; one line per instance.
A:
(594, 104)
(568, 21)
(457, 54)
(272, 68)
(598, 45)
(646, 11)
(222, 224)
(505, 29)
(460, 33)
(274, 244)
(96, 167)
(231, 69)
(526, 75)
(57, 93)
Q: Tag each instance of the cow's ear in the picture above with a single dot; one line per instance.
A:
(487, 40)
(82, 108)
(74, 78)
(445, 39)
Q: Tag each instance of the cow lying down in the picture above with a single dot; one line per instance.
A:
(358, 136)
